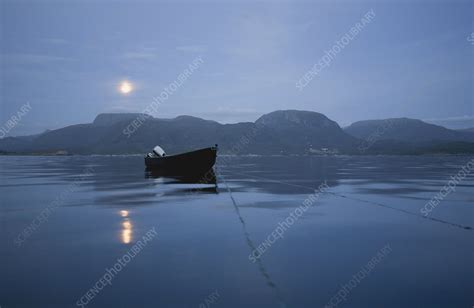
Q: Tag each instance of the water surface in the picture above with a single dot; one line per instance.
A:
(101, 206)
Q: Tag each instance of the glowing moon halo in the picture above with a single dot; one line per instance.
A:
(125, 87)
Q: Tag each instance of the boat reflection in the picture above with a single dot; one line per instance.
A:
(207, 178)
(191, 184)
(126, 235)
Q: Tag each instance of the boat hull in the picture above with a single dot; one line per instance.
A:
(190, 163)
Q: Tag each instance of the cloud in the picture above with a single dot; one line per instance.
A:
(26, 58)
(192, 48)
(260, 37)
(54, 41)
(141, 53)
(121, 109)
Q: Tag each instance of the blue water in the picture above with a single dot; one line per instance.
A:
(104, 205)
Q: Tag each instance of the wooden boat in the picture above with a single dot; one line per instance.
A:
(186, 164)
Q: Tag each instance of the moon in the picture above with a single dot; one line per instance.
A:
(125, 87)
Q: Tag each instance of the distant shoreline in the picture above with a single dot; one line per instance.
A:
(241, 155)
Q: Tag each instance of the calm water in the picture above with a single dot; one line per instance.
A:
(199, 257)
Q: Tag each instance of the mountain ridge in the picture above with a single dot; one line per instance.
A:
(278, 132)
(407, 130)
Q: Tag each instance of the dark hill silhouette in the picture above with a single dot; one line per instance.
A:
(406, 130)
(108, 119)
(469, 130)
(291, 131)
(279, 132)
